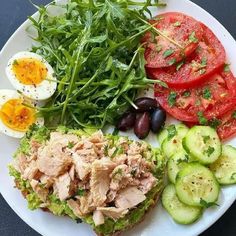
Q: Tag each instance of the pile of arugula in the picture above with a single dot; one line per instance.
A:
(95, 51)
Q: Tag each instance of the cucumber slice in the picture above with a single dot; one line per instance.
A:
(225, 166)
(175, 164)
(180, 212)
(203, 144)
(195, 184)
(172, 145)
(167, 130)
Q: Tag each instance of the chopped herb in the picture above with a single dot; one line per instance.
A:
(168, 53)
(198, 102)
(192, 37)
(171, 131)
(202, 71)
(209, 151)
(106, 150)
(206, 138)
(118, 172)
(202, 120)
(234, 114)
(207, 204)
(204, 62)
(118, 151)
(186, 94)
(206, 93)
(70, 145)
(214, 123)
(177, 24)
(172, 99)
(172, 62)
(233, 176)
(158, 48)
(179, 65)
(80, 192)
(15, 62)
(134, 171)
(226, 68)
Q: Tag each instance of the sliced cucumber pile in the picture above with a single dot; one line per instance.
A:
(175, 164)
(203, 144)
(172, 142)
(196, 184)
(197, 165)
(225, 167)
(180, 212)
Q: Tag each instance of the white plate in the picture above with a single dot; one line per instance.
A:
(158, 222)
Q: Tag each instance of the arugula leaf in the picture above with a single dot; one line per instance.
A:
(207, 204)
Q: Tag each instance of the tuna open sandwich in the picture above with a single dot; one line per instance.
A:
(107, 181)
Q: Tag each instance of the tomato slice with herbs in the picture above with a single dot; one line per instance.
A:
(180, 37)
(225, 125)
(211, 99)
(205, 61)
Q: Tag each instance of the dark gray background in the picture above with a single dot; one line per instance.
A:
(13, 13)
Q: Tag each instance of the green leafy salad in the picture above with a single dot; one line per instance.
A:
(94, 48)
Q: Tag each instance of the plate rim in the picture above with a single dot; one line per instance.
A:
(37, 228)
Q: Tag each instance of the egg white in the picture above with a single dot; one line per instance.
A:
(6, 95)
(41, 91)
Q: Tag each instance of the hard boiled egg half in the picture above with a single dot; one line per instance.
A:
(32, 75)
(15, 117)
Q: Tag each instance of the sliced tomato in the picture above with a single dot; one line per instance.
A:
(227, 127)
(225, 124)
(211, 99)
(205, 61)
(182, 29)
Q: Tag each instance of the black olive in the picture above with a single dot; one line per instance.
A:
(126, 122)
(142, 125)
(158, 120)
(145, 104)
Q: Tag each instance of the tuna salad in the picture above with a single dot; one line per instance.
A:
(106, 181)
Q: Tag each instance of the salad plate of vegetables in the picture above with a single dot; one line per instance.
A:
(119, 117)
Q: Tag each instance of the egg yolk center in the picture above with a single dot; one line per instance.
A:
(16, 116)
(29, 71)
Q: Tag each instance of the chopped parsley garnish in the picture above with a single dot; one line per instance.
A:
(202, 120)
(80, 192)
(204, 62)
(15, 62)
(233, 176)
(202, 71)
(207, 204)
(209, 151)
(171, 131)
(234, 114)
(179, 65)
(214, 123)
(186, 94)
(118, 172)
(206, 93)
(158, 48)
(192, 37)
(168, 53)
(226, 68)
(177, 24)
(172, 99)
(172, 62)
(206, 138)
(70, 145)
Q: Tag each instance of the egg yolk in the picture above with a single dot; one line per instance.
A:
(29, 71)
(16, 116)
